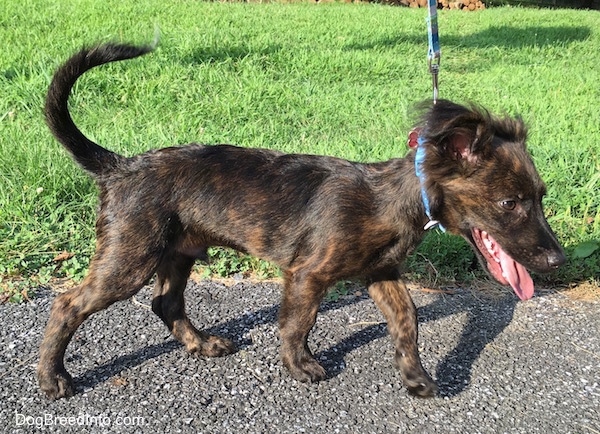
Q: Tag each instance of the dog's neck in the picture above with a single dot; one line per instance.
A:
(400, 209)
(398, 191)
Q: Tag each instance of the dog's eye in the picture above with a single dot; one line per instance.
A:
(508, 204)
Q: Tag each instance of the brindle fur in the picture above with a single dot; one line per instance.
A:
(321, 219)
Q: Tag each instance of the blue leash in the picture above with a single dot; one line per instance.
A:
(433, 59)
(434, 54)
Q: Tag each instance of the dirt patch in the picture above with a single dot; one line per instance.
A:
(583, 291)
(588, 291)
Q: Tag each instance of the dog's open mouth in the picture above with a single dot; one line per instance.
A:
(501, 266)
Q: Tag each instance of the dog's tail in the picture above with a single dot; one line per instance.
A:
(91, 156)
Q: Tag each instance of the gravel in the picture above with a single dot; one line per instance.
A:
(502, 366)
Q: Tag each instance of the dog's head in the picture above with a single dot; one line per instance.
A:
(482, 184)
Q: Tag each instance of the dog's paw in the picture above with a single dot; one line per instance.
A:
(308, 371)
(420, 385)
(56, 384)
(213, 346)
(415, 378)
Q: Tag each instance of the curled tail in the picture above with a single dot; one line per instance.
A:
(91, 156)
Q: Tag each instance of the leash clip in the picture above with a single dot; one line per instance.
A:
(434, 69)
(432, 223)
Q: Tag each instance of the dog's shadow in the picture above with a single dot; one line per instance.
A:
(486, 319)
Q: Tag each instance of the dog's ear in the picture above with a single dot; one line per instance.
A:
(456, 133)
(463, 146)
(466, 134)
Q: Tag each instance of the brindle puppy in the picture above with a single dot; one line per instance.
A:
(321, 219)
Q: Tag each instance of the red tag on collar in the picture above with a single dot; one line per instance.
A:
(413, 138)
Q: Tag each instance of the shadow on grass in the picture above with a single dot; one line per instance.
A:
(486, 320)
(497, 36)
(207, 55)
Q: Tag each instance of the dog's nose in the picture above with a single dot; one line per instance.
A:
(556, 259)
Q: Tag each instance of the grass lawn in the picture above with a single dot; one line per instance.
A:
(336, 79)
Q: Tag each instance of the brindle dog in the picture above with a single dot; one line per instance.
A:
(321, 219)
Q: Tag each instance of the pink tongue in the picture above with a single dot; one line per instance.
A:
(517, 276)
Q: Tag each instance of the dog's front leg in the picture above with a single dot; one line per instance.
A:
(301, 298)
(393, 299)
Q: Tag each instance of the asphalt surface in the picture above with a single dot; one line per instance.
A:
(502, 366)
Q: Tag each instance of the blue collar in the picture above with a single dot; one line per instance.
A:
(419, 159)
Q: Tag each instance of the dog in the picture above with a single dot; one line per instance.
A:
(320, 219)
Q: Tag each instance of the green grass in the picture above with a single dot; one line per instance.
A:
(336, 79)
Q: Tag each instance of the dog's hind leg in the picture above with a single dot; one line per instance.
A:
(391, 296)
(302, 295)
(115, 274)
(168, 303)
